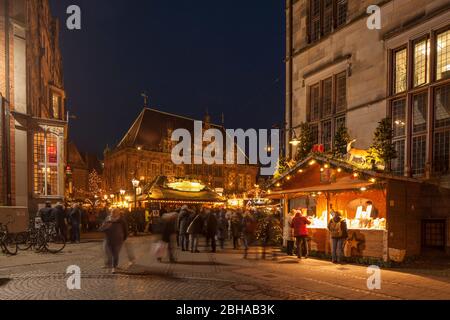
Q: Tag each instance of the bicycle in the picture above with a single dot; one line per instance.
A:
(7, 241)
(43, 237)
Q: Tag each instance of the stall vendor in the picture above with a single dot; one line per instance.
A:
(373, 211)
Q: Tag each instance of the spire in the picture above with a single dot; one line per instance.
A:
(144, 94)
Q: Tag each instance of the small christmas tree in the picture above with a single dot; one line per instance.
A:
(282, 166)
(341, 141)
(382, 150)
(306, 142)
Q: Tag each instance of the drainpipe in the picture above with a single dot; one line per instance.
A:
(290, 67)
(6, 114)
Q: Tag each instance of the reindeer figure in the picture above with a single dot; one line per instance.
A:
(359, 155)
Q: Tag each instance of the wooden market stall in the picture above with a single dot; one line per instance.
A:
(384, 213)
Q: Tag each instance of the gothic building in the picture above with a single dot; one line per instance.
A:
(145, 153)
(340, 72)
(33, 122)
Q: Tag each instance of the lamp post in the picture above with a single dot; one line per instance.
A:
(135, 183)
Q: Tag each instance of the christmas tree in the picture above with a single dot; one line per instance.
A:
(306, 142)
(341, 141)
(382, 150)
(95, 183)
(282, 166)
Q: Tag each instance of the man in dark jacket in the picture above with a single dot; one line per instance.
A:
(211, 229)
(75, 220)
(338, 230)
(59, 214)
(183, 224)
(46, 213)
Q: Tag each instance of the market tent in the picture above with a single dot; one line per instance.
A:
(161, 190)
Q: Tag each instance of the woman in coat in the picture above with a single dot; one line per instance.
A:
(194, 230)
(288, 235)
(116, 231)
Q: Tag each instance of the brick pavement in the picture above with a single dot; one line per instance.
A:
(221, 276)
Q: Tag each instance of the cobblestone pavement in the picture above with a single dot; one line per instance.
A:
(222, 276)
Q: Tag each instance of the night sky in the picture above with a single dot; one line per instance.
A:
(191, 56)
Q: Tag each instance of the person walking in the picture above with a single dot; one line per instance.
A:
(288, 235)
(300, 226)
(236, 229)
(338, 229)
(194, 230)
(211, 229)
(59, 214)
(183, 224)
(116, 232)
(168, 230)
(222, 229)
(75, 221)
(248, 230)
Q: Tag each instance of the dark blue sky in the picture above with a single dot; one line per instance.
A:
(224, 56)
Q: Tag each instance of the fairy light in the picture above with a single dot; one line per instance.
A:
(312, 162)
(327, 166)
(339, 170)
(373, 180)
(355, 175)
(300, 171)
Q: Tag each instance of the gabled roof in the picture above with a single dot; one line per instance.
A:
(152, 127)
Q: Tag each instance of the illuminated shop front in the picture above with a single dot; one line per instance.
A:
(384, 213)
(48, 162)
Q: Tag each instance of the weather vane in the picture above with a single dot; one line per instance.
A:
(144, 94)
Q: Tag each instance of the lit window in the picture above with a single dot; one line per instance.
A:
(421, 62)
(315, 133)
(400, 68)
(419, 152)
(443, 55)
(46, 164)
(341, 14)
(399, 118)
(442, 107)
(398, 164)
(326, 135)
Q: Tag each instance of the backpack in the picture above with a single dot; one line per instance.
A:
(336, 229)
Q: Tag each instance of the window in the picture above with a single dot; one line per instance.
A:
(326, 135)
(341, 123)
(46, 162)
(400, 70)
(420, 113)
(441, 157)
(315, 133)
(398, 164)
(315, 20)
(443, 55)
(399, 118)
(315, 103)
(56, 106)
(421, 62)
(341, 92)
(326, 15)
(341, 14)
(327, 97)
(419, 153)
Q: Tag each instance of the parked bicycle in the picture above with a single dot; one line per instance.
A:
(42, 237)
(8, 242)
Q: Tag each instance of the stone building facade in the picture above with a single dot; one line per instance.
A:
(33, 122)
(145, 153)
(341, 73)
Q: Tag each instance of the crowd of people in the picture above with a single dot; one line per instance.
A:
(184, 227)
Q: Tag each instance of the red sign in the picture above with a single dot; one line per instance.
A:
(319, 148)
(52, 154)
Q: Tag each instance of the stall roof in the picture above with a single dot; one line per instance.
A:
(343, 184)
(159, 191)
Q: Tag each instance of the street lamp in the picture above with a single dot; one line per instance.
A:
(135, 183)
(295, 141)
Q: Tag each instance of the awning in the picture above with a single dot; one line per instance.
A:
(341, 185)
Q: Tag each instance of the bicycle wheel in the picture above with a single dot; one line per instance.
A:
(23, 241)
(10, 246)
(55, 242)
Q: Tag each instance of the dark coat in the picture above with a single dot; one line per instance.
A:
(116, 232)
(211, 225)
(196, 226)
(236, 227)
(183, 221)
(222, 227)
(59, 214)
(75, 216)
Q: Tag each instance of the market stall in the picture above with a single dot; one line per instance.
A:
(373, 204)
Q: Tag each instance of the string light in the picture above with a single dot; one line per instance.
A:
(373, 180)
(355, 174)
(312, 162)
(363, 189)
(327, 166)
(339, 170)
(300, 171)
